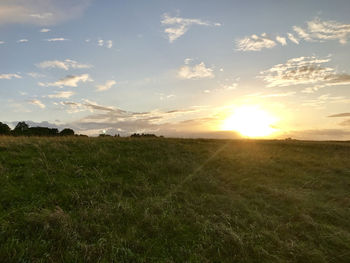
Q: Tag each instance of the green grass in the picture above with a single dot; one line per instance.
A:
(173, 200)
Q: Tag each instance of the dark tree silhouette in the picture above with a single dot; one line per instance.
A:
(137, 135)
(67, 132)
(21, 128)
(42, 131)
(4, 129)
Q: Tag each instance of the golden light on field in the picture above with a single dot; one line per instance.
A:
(250, 121)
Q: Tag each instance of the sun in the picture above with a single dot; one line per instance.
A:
(250, 121)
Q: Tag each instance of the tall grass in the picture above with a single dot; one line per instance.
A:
(173, 200)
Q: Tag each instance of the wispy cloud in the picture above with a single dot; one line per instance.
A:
(292, 38)
(345, 114)
(197, 71)
(38, 103)
(109, 84)
(69, 81)
(255, 43)
(56, 39)
(35, 75)
(22, 40)
(175, 27)
(40, 12)
(318, 30)
(302, 71)
(321, 101)
(2, 42)
(312, 89)
(61, 94)
(42, 16)
(45, 30)
(66, 64)
(10, 76)
(278, 95)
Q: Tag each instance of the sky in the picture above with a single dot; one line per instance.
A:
(198, 68)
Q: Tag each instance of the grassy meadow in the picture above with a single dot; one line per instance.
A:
(79, 199)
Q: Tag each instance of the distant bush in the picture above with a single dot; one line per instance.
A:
(104, 135)
(42, 131)
(137, 135)
(67, 132)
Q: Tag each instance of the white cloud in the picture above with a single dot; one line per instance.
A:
(178, 26)
(38, 103)
(255, 43)
(10, 76)
(303, 71)
(61, 94)
(109, 84)
(22, 40)
(2, 42)
(100, 42)
(70, 81)
(318, 30)
(66, 64)
(195, 72)
(109, 44)
(281, 40)
(292, 38)
(40, 12)
(45, 30)
(57, 39)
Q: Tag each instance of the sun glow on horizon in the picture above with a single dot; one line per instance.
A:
(250, 121)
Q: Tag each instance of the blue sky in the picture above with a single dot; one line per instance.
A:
(178, 68)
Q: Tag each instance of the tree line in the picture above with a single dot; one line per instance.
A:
(23, 129)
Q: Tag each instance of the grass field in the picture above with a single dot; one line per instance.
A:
(173, 200)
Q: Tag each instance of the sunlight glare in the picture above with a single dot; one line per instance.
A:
(250, 121)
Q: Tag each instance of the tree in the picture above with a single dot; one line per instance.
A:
(4, 129)
(67, 132)
(21, 128)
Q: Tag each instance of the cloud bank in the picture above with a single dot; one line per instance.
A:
(304, 71)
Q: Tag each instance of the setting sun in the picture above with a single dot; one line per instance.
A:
(250, 121)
